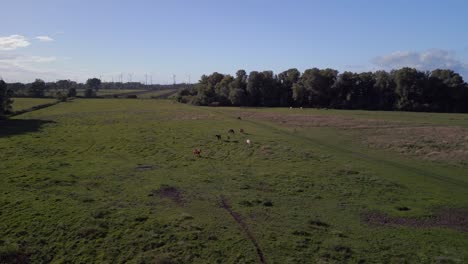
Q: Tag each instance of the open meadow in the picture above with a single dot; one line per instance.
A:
(21, 104)
(116, 181)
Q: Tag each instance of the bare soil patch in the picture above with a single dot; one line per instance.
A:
(447, 218)
(143, 167)
(169, 192)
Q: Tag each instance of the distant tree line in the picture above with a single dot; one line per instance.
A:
(405, 89)
(63, 89)
(66, 88)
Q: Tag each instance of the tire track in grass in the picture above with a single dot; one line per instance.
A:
(239, 220)
(245, 229)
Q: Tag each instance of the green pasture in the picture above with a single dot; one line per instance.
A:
(115, 181)
(27, 103)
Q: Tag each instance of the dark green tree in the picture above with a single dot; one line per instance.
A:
(238, 97)
(37, 88)
(71, 92)
(286, 81)
(94, 83)
(445, 91)
(409, 88)
(254, 84)
(384, 87)
(222, 89)
(300, 94)
(342, 94)
(5, 100)
(269, 89)
(64, 85)
(318, 84)
(89, 93)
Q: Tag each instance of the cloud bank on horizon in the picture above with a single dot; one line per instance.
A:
(425, 60)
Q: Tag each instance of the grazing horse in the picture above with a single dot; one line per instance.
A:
(239, 118)
(231, 131)
(218, 137)
(241, 130)
(248, 142)
(197, 152)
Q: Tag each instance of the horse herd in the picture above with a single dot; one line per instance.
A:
(197, 152)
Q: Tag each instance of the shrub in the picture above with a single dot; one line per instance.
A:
(89, 93)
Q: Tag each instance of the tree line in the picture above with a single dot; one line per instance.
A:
(63, 89)
(405, 89)
(39, 88)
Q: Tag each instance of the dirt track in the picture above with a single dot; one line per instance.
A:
(238, 218)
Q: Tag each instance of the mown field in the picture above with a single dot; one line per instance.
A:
(20, 104)
(115, 181)
(101, 92)
(161, 94)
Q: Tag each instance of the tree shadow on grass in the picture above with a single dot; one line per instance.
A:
(10, 127)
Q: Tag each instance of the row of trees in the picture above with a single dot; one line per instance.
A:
(405, 89)
(61, 88)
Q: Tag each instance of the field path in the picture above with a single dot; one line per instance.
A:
(245, 229)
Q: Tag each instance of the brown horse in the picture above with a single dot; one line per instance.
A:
(197, 152)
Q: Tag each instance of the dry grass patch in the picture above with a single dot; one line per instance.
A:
(436, 143)
(297, 120)
(432, 143)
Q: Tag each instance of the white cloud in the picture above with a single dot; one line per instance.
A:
(14, 67)
(13, 42)
(25, 68)
(22, 60)
(426, 60)
(40, 59)
(44, 38)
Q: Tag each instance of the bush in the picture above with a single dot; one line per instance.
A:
(61, 97)
(71, 92)
(89, 93)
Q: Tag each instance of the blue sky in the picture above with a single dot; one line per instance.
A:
(81, 39)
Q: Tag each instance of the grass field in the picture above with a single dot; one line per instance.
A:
(27, 103)
(101, 92)
(158, 94)
(115, 181)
